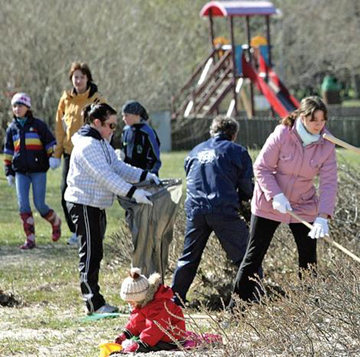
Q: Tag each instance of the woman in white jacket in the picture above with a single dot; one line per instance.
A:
(95, 176)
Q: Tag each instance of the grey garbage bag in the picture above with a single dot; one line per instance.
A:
(152, 226)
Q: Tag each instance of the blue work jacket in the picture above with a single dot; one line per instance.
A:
(219, 175)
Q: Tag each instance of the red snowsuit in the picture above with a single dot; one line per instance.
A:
(162, 310)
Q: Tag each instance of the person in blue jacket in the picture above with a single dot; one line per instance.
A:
(140, 143)
(28, 146)
(219, 176)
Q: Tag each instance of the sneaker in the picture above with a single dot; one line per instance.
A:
(73, 240)
(106, 309)
(29, 244)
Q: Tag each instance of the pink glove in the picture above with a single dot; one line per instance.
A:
(129, 348)
(120, 339)
(194, 340)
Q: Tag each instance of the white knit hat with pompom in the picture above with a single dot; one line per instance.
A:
(21, 98)
(135, 286)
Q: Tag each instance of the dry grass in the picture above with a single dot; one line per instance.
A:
(309, 317)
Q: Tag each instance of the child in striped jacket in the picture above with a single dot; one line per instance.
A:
(28, 146)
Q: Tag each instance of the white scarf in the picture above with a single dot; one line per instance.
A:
(305, 136)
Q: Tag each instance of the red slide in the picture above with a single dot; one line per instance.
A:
(274, 91)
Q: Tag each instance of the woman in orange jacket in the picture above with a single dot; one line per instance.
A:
(69, 121)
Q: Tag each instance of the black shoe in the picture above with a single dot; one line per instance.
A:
(178, 301)
(106, 309)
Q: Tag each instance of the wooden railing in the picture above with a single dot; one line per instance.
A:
(190, 81)
(210, 93)
(200, 93)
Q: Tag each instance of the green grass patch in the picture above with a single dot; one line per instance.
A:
(351, 103)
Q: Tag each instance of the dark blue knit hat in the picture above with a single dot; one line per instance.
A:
(134, 107)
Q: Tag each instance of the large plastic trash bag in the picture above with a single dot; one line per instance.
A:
(152, 226)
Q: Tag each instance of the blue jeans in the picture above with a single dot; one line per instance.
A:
(38, 181)
(232, 234)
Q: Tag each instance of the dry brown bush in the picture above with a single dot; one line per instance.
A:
(136, 49)
(309, 317)
(146, 50)
(214, 280)
(316, 317)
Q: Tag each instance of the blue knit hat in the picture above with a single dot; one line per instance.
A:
(134, 107)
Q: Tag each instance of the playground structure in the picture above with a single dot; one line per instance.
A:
(229, 66)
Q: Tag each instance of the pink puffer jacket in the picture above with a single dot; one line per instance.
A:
(285, 166)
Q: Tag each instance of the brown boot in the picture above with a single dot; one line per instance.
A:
(55, 222)
(29, 229)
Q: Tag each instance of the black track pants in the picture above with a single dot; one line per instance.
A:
(90, 226)
(261, 233)
(65, 171)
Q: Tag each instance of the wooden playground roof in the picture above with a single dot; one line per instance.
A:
(238, 8)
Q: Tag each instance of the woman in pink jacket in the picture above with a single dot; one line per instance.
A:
(292, 157)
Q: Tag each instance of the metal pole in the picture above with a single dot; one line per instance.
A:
(270, 57)
(250, 57)
(268, 38)
(234, 62)
(211, 29)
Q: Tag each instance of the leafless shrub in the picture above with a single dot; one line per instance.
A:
(317, 317)
(314, 316)
(146, 50)
(135, 48)
(345, 226)
(213, 282)
(121, 247)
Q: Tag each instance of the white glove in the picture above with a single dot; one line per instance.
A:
(54, 163)
(320, 228)
(10, 180)
(153, 177)
(120, 154)
(141, 196)
(281, 203)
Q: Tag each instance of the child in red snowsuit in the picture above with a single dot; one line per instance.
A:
(151, 307)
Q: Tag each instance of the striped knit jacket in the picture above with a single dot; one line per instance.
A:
(28, 148)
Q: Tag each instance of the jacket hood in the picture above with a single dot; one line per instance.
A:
(29, 120)
(92, 89)
(141, 122)
(154, 282)
(222, 136)
(86, 131)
